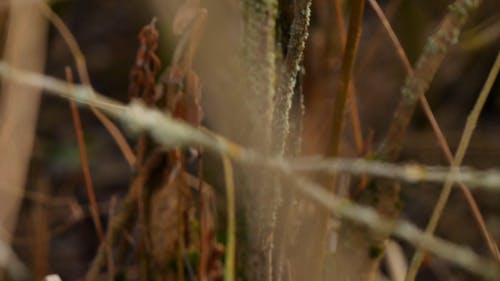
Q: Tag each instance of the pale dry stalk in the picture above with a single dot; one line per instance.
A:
(25, 47)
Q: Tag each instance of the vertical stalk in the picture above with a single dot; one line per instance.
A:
(25, 48)
(261, 198)
(348, 59)
(457, 161)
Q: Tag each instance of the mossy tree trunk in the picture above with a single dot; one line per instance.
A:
(273, 42)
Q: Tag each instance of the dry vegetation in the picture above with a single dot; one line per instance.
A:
(259, 140)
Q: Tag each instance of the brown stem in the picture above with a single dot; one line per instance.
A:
(445, 148)
(353, 103)
(354, 34)
(88, 179)
(416, 84)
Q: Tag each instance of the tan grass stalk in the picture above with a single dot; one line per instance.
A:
(25, 47)
(348, 59)
(470, 125)
(492, 246)
(353, 102)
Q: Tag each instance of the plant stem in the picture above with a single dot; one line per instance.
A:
(169, 132)
(457, 161)
(428, 63)
(231, 219)
(353, 36)
(439, 134)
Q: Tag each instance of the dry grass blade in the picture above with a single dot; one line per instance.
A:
(353, 103)
(438, 132)
(123, 219)
(337, 123)
(24, 46)
(418, 83)
(457, 160)
(84, 161)
(89, 186)
(481, 37)
(81, 67)
(348, 59)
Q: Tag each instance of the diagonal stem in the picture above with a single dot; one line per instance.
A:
(438, 132)
(457, 161)
(81, 67)
(356, 18)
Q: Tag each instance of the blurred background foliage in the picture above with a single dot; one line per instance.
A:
(107, 33)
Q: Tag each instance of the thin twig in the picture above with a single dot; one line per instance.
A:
(336, 131)
(392, 35)
(412, 173)
(89, 186)
(417, 84)
(85, 163)
(438, 132)
(470, 125)
(353, 102)
(428, 63)
(169, 132)
(351, 47)
(124, 217)
(374, 42)
(81, 67)
(462, 256)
